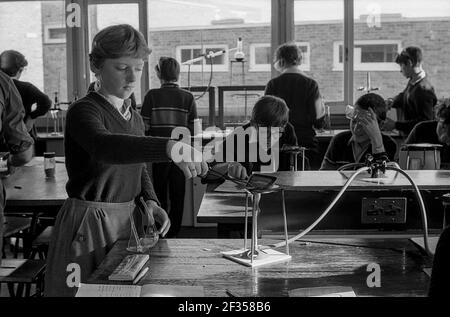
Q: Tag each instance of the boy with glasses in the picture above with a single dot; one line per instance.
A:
(364, 136)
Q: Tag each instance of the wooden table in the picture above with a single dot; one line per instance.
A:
(334, 180)
(337, 262)
(28, 191)
(308, 193)
(28, 186)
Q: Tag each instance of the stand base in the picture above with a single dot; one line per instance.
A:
(265, 257)
(432, 243)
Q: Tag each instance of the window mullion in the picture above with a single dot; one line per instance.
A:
(348, 51)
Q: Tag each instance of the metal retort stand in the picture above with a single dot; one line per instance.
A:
(258, 255)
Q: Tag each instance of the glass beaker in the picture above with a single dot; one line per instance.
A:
(144, 234)
(49, 164)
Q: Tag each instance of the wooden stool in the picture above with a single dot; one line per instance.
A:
(24, 273)
(39, 245)
(445, 202)
(15, 227)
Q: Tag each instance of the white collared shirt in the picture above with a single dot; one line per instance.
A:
(122, 105)
(417, 78)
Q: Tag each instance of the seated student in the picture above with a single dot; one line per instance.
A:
(364, 136)
(13, 63)
(268, 112)
(435, 131)
(163, 110)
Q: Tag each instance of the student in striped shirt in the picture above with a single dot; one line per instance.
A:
(164, 109)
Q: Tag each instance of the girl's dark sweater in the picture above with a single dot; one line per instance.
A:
(106, 154)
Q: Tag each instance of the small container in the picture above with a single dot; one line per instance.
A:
(49, 164)
(239, 55)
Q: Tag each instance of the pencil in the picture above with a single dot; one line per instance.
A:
(140, 275)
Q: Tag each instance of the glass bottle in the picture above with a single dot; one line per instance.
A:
(49, 164)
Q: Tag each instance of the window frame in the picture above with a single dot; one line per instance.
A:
(205, 65)
(48, 39)
(306, 60)
(358, 65)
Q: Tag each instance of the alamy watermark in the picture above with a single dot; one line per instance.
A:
(241, 145)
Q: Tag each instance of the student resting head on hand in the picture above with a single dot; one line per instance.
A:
(364, 136)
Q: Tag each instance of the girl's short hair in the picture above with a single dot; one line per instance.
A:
(118, 41)
(289, 53)
(11, 62)
(442, 110)
(270, 111)
(168, 68)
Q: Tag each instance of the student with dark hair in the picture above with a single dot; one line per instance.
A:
(416, 102)
(435, 131)
(301, 95)
(269, 113)
(14, 133)
(106, 151)
(364, 136)
(163, 110)
(13, 63)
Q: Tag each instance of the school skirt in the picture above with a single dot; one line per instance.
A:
(84, 233)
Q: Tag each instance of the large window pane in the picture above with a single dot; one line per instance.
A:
(104, 15)
(383, 28)
(319, 27)
(185, 29)
(37, 30)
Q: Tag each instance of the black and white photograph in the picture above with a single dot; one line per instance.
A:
(232, 155)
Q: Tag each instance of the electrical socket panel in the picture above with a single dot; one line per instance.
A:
(383, 210)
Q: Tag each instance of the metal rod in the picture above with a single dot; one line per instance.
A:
(286, 237)
(295, 156)
(407, 160)
(246, 220)
(254, 247)
(435, 159)
(303, 159)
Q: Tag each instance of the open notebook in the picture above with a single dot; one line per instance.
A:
(148, 290)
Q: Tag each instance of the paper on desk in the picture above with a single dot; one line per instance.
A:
(148, 290)
(101, 290)
(327, 291)
(432, 243)
(156, 290)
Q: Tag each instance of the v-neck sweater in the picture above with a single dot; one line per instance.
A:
(106, 154)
